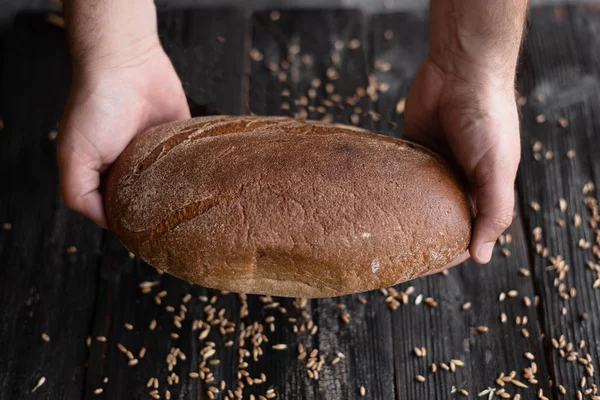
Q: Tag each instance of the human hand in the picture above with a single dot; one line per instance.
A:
(462, 105)
(113, 98)
(472, 119)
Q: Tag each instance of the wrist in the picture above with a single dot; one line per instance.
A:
(478, 71)
(105, 56)
(477, 40)
(110, 33)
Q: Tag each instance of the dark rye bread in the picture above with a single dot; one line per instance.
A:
(277, 206)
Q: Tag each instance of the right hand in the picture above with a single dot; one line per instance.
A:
(112, 99)
(475, 123)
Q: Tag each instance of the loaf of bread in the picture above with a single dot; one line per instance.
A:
(277, 206)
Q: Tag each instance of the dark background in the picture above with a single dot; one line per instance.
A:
(8, 8)
(62, 276)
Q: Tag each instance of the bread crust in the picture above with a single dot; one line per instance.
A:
(278, 206)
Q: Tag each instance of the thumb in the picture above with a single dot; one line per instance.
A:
(494, 202)
(79, 165)
(79, 182)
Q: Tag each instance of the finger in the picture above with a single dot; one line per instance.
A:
(488, 150)
(458, 260)
(79, 181)
(494, 204)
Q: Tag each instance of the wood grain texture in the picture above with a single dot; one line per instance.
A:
(450, 332)
(207, 51)
(313, 36)
(43, 287)
(404, 53)
(120, 302)
(560, 64)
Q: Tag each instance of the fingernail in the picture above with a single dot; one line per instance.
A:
(485, 252)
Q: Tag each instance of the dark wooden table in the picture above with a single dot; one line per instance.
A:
(76, 310)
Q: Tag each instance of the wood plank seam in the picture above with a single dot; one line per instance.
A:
(247, 69)
(92, 320)
(531, 254)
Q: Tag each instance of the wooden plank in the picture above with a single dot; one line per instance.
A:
(313, 36)
(307, 40)
(559, 79)
(121, 302)
(451, 329)
(447, 331)
(43, 288)
(207, 50)
(401, 48)
(211, 72)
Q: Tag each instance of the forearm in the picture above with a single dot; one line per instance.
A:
(98, 29)
(477, 39)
